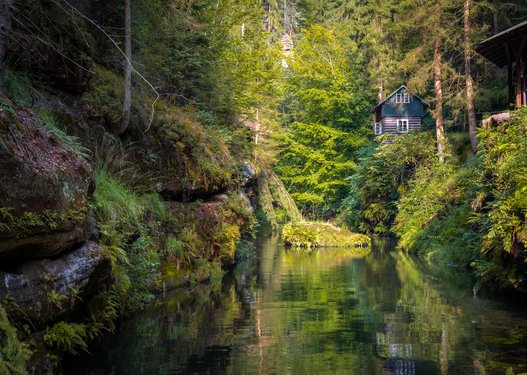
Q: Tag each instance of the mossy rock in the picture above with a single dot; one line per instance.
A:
(44, 191)
(47, 290)
(311, 234)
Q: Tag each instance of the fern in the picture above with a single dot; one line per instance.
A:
(13, 353)
(68, 337)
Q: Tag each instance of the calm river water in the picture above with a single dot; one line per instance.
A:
(318, 312)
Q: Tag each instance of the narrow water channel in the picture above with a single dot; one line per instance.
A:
(318, 312)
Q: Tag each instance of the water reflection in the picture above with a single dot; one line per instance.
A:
(317, 312)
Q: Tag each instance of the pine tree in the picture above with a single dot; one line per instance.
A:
(326, 120)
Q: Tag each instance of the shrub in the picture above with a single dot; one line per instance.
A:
(13, 353)
(68, 337)
(383, 170)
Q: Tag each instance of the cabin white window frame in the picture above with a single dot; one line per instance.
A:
(398, 98)
(403, 125)
(406, 98)
(377, 128)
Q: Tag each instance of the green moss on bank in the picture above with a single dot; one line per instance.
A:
(312, 234)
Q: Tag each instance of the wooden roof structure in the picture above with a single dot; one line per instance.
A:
(508, 48)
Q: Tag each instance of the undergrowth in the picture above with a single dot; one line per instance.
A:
(13, 353)
(19, 87)
(54, 129)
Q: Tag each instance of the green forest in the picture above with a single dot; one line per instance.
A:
(144, 143)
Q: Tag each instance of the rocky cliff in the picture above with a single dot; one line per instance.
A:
(92, 224)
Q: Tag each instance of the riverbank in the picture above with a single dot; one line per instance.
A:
(305, 234)
(96, 220)
(467, 213)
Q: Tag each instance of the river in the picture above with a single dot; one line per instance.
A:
(318, 312)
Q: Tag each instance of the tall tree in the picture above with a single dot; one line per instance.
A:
(127, 100)
(438, 78)
(438, 89)
(435, 28)
(326, 120)
(6, 12)
(468, 79)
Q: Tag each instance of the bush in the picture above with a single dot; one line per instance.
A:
(312, 234)
(383, 171)
(467, 213)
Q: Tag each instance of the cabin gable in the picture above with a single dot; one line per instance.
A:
(400, 113)
(391, 108)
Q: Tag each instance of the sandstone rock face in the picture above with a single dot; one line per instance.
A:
(46, 290)
(249, 174)
(190, 164)
(44, 191)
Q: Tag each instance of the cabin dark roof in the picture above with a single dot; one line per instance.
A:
(395, 92)
(496, 47)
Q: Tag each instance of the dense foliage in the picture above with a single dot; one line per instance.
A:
(467, 213)
(325, 114)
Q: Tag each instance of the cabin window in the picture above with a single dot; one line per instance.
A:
(406, 98)
(398, 98)
(402, 125)
(377, 128)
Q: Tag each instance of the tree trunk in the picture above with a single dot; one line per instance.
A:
(127, 101)
(469, 82)
(495, 17)
(6, 12)
(440, 131)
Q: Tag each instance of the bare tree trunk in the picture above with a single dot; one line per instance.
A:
(440, 131)
(469, 82)
(6, 12)
(127, 101)
(495, 17)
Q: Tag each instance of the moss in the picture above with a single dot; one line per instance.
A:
(104, 99)
(196, 158)
(29, 223)
(312, 234)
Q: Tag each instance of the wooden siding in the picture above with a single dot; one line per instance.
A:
(389, 124)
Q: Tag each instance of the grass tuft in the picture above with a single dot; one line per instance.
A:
(19, 87)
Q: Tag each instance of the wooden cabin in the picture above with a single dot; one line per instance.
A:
(509, 49)
(399, 113)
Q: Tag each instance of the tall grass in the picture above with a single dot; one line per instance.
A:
(114, 201)
(19, 87)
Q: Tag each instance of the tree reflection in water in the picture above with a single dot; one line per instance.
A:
(318, 312)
